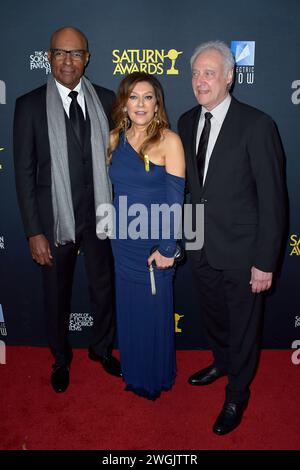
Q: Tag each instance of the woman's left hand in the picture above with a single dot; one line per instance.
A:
(162, 262)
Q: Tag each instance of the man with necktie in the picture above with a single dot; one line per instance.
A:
(60, 139)
(235, 167)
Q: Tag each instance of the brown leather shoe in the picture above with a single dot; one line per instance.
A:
(206, 376)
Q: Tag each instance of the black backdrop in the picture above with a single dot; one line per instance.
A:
(126, 36)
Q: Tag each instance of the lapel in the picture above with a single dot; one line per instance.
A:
(87, 131)
(191, 137)
(222, 141)
(194, 136)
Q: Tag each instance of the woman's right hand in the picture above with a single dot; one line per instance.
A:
(162, 262)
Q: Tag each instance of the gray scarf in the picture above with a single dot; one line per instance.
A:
(64, 222)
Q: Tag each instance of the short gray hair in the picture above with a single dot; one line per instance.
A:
(219, 46)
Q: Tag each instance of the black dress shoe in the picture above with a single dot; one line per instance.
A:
(206, 376)
(60, 378)
(229, 418)
(110, 364)
(69, 357)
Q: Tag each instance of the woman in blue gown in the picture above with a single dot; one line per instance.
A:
(146, 169)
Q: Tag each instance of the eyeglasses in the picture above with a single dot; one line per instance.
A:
(76, 54)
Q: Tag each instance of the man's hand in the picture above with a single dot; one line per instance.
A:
(40, 250)
(260, 281)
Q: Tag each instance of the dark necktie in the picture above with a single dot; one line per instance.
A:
(77, 117)
(202, 147)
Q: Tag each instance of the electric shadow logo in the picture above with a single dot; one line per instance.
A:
(152, 61)
(2, 92)
(296, 94)
(3, 332)
(177, 317)
(39, 60)
(79, 321)
(295, 245)
(244, 52)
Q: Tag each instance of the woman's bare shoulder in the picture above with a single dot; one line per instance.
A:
(171, 139)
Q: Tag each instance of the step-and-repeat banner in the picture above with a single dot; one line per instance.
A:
(158, 37)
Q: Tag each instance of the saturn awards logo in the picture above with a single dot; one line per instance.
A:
(295, 245)
(39, 60)
(244, 52)
(177, 318)
(152, 61)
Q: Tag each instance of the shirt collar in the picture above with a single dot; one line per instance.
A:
(64, 91)
(219, 112)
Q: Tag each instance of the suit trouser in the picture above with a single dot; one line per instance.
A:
(233, 319)
(58, 281)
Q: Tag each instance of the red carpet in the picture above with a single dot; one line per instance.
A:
(95, 412)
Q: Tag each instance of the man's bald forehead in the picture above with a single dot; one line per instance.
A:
(71, 29)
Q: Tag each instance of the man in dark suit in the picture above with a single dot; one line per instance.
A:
(60, 140)
(235, 168)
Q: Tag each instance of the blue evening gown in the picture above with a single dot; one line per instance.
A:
(145, 322)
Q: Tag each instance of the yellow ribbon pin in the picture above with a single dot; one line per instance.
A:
(147, 163)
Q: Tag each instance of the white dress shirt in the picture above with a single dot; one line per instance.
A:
(218, 116)
(64, 93)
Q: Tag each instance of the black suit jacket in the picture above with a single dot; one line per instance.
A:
(32, 158)
(244, 193)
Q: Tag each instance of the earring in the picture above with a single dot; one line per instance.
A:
(153, 124)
